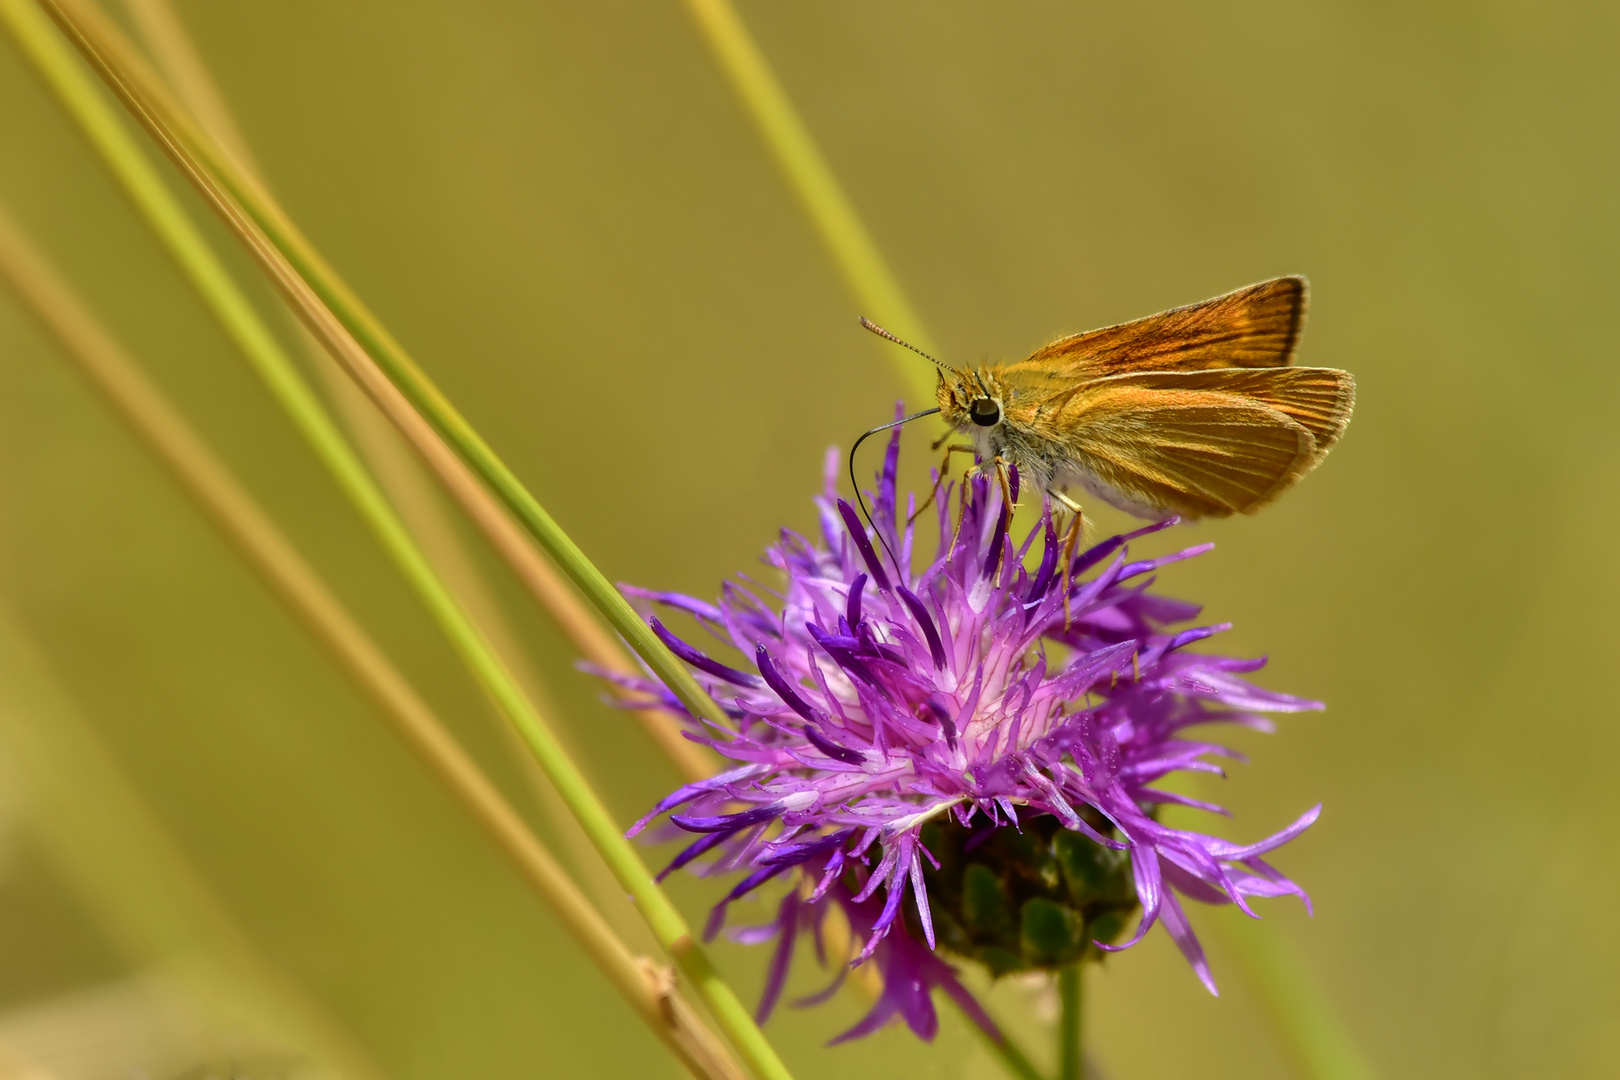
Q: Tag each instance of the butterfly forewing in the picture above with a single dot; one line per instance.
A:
(1255, 327)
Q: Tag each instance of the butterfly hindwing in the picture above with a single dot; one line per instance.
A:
(1203, 443)
(1319, 399)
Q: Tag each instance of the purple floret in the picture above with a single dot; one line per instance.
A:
(973, 688)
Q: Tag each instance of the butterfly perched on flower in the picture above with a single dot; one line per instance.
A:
(1196, 411)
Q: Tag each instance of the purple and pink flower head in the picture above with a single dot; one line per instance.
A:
(966, 758)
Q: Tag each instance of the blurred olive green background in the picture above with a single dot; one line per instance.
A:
(563, 213)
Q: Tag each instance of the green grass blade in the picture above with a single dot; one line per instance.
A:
(181, 66)
(426, 397)
(215, 136)
(98, 41)
(268, 551)
(81, 98)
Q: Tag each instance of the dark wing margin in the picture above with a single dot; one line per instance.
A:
(1254, 327)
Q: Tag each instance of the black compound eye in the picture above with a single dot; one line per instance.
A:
(985, 412)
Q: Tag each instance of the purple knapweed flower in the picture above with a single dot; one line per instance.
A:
(979, 736)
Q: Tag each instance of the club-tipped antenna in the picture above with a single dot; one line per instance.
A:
(861, 499)
(886, 336)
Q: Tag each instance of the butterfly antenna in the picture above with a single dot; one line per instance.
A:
(861, 499)
(886, 336)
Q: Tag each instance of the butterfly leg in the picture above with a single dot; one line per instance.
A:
(944, 468)
(961, 512)
(1071, 540)
(1074, 508)
(1068, 504)
(1003, 478)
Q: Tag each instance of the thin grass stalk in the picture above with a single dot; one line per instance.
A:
(1303, 1017)
(268, 551)
(180, 136)
(560, 600)
(242, 324)
(833, 216)
(181, 65)
(428, 519)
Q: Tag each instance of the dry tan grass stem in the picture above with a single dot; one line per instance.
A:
(643, 984)
(173, 127)
(160, 28)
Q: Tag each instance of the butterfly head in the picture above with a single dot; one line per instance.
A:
(970, 401)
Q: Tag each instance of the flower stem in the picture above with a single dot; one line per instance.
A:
(256, 537)
(1069, 1047)
(162, 212)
